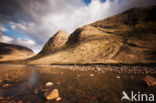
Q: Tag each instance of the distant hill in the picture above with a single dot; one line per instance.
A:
(14, 52)
(129, 37)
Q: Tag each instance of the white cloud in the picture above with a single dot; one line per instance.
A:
(28, 43)
(19, 41)
(5, 39)
(70, 14)
(3, 29)
(25, 42)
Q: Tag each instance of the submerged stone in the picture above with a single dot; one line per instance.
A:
(49, 84)
(52, 94)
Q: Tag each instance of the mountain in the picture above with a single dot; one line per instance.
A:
(53, 45)
(129, 37)
(14, 52)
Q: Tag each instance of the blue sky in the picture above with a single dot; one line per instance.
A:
(87, 2)
(15, 33)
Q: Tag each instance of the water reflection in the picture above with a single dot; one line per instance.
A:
(26, 87)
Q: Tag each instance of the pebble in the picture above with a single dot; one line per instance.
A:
(36, 91)
(52, 94)
(118, 77)
(58, 99)
(78, 75)
(58, 83)
(44, 90)
(20, 102)
(49, 84)
(5, 85)
(91, 75)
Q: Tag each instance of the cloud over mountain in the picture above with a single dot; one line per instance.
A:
(40, 19)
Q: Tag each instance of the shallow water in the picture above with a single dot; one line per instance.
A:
(79, 84)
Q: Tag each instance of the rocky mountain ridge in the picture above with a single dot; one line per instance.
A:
(129, 37)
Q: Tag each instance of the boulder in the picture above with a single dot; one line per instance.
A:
(52, 94)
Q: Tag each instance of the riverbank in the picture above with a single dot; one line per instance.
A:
(81, 84)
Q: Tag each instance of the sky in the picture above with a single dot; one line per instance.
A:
(31, 23)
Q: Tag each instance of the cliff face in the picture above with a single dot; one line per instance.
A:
(129, 37)
(14, 52)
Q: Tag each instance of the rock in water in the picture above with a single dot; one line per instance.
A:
(91, 75)
(49, 84)
(36, 91)
(150, 81)
(5, 85)
(58, 99)
(52, 94)
(118, 77)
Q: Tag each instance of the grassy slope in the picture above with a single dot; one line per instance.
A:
(14, 52)
(129, 37)
(53, 45)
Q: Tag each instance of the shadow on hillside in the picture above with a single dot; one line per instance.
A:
(4, 51)
(8, 48)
